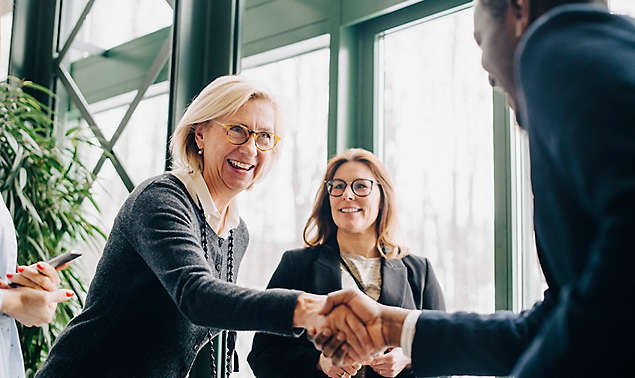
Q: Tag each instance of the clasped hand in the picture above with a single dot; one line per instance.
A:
(348, 326)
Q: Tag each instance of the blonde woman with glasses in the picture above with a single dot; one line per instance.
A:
(164, 284)
(350, 244)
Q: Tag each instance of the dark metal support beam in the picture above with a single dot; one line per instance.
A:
(205, 47)
(33, 42)
(80, 102)
(150, 78)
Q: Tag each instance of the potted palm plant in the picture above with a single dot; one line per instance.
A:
(44, 183)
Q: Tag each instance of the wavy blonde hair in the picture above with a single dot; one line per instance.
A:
(320, 226)
(221, 98)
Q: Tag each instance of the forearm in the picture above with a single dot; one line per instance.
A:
(239, 308)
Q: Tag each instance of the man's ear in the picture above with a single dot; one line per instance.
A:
(521, 12)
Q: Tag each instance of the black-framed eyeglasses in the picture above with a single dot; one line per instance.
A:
(239, 134)
(361, 187)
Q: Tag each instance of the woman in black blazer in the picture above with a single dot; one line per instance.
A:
(350, 244)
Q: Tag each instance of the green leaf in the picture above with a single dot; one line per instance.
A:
(22, 180)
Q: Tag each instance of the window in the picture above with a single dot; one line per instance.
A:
(141, 150)
(626, 7)
(121, 94)
(111, 23)
(530, 282)
(436, 121)
(277, 208)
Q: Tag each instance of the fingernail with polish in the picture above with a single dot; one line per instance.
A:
(40, 266)
(20, 269)
(9, 275)
(69, 294)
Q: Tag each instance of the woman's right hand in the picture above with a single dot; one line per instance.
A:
(326, 365)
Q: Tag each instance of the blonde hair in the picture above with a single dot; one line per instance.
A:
(320, 226)
(222, 97)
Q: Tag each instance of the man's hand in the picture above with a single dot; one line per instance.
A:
(326, 365)
(391, 363)
(32, 307)
(37, 276)
(383, 326)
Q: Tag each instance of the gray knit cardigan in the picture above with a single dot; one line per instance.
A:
(154, 296)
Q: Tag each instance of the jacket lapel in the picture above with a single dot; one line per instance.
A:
(327, 276)
(394, 283)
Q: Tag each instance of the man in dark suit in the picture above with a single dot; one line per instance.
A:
(568, 69)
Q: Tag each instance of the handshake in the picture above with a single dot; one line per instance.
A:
(348, 326)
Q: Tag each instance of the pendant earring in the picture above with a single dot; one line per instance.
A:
(200, 151)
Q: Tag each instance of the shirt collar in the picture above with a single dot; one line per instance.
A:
(197, 188)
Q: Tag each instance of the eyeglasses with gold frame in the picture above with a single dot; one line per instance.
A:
(239, 134)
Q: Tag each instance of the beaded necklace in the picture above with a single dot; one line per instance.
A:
(231, 336)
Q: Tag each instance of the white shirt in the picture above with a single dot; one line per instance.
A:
(408, 332)
(197, 188)
(11, 363)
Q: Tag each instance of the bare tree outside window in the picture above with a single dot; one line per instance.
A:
(438, 146)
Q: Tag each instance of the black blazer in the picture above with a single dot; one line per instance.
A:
(575, 68)
(408, 283)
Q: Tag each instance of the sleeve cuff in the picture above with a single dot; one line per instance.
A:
(2, 314)
(408, 332)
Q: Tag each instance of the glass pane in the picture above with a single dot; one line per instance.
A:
(109, 193)
(141, 151)
(622, 7)
(530, 281)
(437, 144)
(142, 144)
(287, 194)
(111, 22)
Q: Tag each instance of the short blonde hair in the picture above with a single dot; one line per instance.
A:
(320, 226)
(221, 98)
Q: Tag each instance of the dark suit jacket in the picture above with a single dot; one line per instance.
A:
(576, 76)
(409, 283)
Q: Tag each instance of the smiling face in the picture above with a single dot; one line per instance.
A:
(353, 214)
(229, 169)
(497, 36)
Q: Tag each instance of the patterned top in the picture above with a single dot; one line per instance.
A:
(367, 271)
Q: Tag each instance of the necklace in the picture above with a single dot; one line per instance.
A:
(231, 335)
